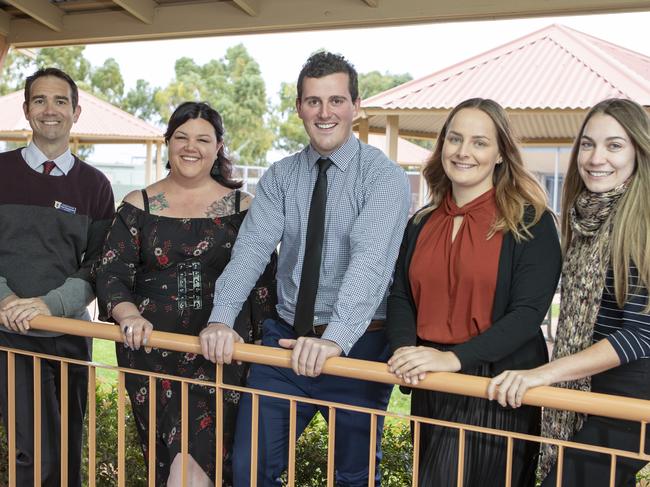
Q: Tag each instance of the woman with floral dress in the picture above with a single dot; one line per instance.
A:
(167, 246)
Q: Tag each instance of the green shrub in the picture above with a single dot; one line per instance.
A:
(106, 444)
(311, 455)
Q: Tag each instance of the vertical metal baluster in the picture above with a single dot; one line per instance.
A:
(37, 422)
(11, 416)
(92, 426)
(331, 445)
(461, 457)
(612, 472)
(291, 470)
(65, 427)
(219, 425)
(121, 430)
(372, 456)
(255, 410)
(185, 435)
(509, 449)
(416, 452)
(151, 457)
(560, 465)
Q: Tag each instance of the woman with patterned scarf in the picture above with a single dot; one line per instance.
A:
(475, 276)
(603, 337)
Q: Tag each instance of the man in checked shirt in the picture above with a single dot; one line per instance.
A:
(338, 207)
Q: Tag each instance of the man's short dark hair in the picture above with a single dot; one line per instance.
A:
(324, 63)
(56, 72)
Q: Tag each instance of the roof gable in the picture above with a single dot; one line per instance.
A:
(552, 68)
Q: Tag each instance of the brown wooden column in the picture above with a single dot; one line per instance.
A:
(364, 128)
(392, 132)
(159, 166)
(4, 49)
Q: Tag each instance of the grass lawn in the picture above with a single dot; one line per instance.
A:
(104, 353)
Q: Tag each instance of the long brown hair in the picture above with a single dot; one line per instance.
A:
(515, 186)
(629, 241)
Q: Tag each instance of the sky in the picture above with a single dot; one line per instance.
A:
(416, 49)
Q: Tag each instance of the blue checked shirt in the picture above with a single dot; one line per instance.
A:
(367, 207)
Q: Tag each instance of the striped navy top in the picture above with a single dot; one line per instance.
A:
(627, 329)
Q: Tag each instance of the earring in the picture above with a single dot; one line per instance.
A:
(216, 170)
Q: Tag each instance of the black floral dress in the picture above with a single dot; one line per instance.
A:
(167, 267)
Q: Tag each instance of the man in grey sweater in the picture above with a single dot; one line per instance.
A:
(54, 213)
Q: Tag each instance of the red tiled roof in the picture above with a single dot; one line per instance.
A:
(552, 68)
(98, 119)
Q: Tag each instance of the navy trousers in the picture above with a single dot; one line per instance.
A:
(352, 429)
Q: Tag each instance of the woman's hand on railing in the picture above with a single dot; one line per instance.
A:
(412, 363)
(509, 387)
(218, 342)
(135, 331)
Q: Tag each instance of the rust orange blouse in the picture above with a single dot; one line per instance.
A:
(453, 283)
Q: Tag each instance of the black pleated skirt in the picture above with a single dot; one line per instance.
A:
(485, 455)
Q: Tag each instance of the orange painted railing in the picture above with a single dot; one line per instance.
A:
(584, 402)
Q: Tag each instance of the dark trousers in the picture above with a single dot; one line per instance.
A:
(587, 469)
(352, 440)
(64, 346)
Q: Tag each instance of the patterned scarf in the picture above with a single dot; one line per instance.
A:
(583, 280)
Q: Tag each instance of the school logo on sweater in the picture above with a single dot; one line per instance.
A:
(63, 207)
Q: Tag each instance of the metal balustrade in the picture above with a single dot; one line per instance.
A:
(585, 402)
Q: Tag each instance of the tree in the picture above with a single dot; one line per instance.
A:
(234, 86)
(140, 101)
(374, 82)
(12, 77)
(107, 82)
(290, 135)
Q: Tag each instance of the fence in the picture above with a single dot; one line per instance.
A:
(589, 403)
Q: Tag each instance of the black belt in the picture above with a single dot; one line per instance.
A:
(318, 330)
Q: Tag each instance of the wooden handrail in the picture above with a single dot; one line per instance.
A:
(468, 385)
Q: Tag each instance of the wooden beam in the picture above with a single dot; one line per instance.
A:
(372, 3)
(5, 23)
(44, 12)
(142, 10)
(251, 7)
(196, 19)
(392, 132)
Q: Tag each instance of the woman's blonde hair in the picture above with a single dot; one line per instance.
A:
(515, 186)
(629, 241)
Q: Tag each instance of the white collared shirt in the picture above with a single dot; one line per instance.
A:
(35, 159)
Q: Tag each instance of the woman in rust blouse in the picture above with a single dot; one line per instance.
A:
(476, 274)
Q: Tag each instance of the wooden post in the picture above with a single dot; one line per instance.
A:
(364, 128)
(392, 132)
(75, 146)
(4, 49)
(148, 161)
(159, 168)
(147, 172)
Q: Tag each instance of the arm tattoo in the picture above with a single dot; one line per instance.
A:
(222, 207)
(158, 202)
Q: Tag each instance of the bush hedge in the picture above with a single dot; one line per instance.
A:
(311, 449)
